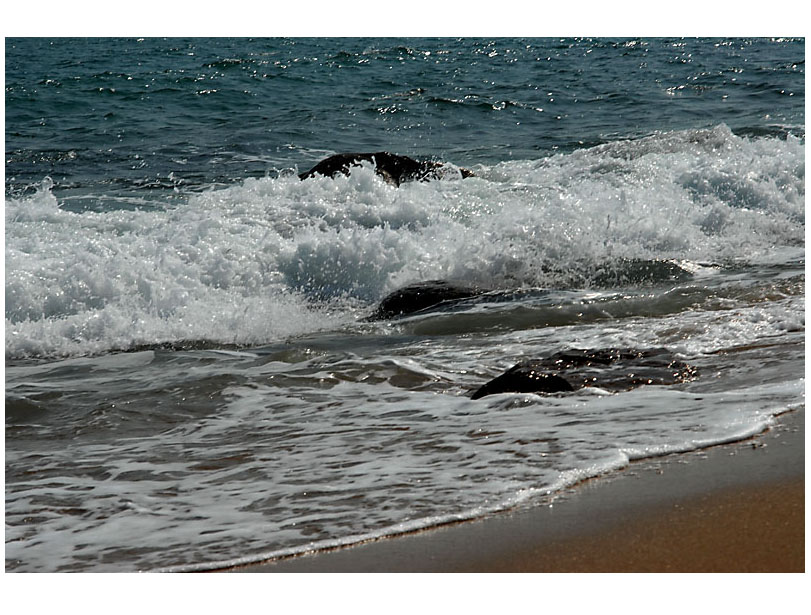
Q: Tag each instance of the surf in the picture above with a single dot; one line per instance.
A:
(274, 257)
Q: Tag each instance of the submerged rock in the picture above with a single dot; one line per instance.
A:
(627, 271)
(393, 168)
(422, 296)
(614, 369)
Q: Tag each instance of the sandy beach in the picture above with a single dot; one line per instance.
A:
(732, 508)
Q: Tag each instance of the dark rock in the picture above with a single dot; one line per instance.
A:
(524, 378)
(614, 369)
(423, 296)
(628, 271)
(392, 167)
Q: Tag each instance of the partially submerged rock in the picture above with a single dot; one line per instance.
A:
(394, 168)
(614, 369)
(423, 296)
(524, 378)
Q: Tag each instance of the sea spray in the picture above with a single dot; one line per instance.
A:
(241, 265)
(190, 377)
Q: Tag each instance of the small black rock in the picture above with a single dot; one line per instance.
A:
(524, 378)
(393, 168)
(422, 296)
(613, 369)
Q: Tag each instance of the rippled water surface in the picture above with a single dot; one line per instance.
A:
(191, 380)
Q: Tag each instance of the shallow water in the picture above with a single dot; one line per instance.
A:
(190, 381)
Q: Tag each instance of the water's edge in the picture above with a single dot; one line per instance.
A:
(530, 498)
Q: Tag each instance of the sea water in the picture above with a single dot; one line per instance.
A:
(190, 381)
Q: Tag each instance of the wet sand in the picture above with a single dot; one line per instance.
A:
(731, 508)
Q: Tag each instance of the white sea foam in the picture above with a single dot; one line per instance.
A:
(262, 260)
(628, 436)
(256, 413)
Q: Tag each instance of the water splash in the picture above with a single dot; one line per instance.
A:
(274, 257)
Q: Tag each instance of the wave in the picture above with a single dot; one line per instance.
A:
(272, 257)
(618, 459)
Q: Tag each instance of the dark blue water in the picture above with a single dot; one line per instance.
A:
(160, 114)
(190, 378)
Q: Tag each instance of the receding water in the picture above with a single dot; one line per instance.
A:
(190, 380)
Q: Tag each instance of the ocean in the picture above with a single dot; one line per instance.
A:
(191, 382)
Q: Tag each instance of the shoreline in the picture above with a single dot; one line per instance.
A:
(736, 507)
